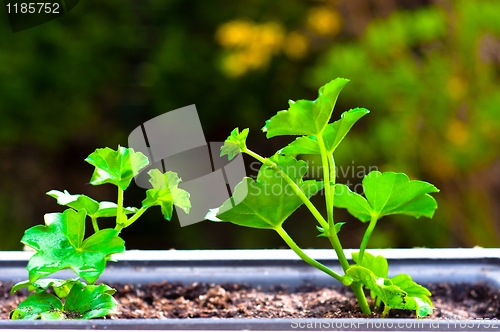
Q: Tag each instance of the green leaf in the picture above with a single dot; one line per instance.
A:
(77, 202)
(388, 193)
(22, 284)
(418, 292)
(399, 292)
(166, 193)
(425, 308)
(82, 302)
(268, 201)
(353, 202)
(333, 134)
(306, 117)
(377, 264)
(235, 143)
(109, 209)
(59, 245)
(337, 226)
(301, 145)
(86, 302)
(406, 283)
(60, 286)
(90, 206)
(393, 296)
(43, 306)
(116, 167)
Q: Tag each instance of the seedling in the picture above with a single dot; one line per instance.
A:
(279, 190)
(60, 243)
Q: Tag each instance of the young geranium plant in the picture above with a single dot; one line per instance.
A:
(279, 190)
(61, 244)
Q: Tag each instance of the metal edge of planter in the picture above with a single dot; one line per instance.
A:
(266, 268)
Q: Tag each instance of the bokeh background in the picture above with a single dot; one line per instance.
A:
(429, 71)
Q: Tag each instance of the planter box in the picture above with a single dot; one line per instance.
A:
(266, 268)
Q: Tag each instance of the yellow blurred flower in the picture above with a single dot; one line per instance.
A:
(324, 21)
(296, 45)
(271, 36)
(458, 132)
(255, 58)
(251, 45)
(235, 33)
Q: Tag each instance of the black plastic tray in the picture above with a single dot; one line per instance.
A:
(272, 267)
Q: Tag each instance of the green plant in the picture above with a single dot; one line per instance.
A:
(419, 62)
(60, 243)
(279, 190)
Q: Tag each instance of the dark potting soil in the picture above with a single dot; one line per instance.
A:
(174, 300)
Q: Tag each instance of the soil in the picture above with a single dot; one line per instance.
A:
(174, 300)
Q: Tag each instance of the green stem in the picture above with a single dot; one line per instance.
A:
(119, 211)
(329, 183)
(333, 176)
(131, 220)
(326, 181)
(94, 224)
(294, 187)
(386, 311)
(330, 175)
(366, 238)
(357, 288)
(289, 241)
(334, 240)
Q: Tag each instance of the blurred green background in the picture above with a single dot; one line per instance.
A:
(429, 72)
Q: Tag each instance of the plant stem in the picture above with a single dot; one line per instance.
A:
(94, 224)
(294, 186)
(334, 240)
(136, 216)
(329, 175)
(366, 238)
(333, 176)
(386, 311)
(357, 288)
(326, 181)
(289, 241)
(329, 182)
(119, 211)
